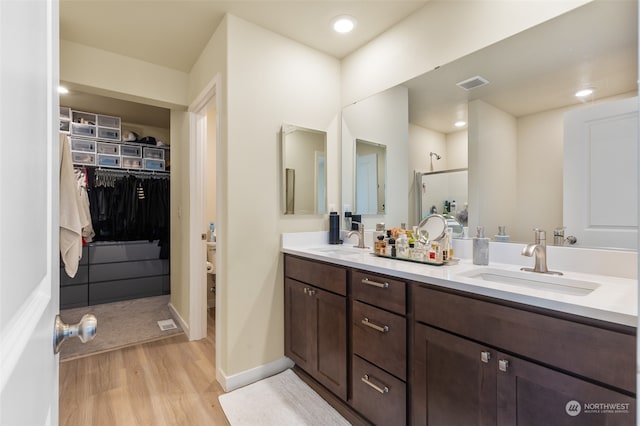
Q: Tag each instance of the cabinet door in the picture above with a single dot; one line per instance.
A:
(530, 394)
(454, 380)
(330, 313)
(299, 325)
(316, 334)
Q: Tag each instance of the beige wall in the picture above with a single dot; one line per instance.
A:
(104, 73)
(271, 80)
(492, 167)
(442, 31)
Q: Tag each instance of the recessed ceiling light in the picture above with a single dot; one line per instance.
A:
(343, 24)
(63, 90)
(584, 93)
(460, 123)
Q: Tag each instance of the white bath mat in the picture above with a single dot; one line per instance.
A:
(167, 325)
(283, 399)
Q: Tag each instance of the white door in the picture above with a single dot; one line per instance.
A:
(367, 184)
(601, 174)
(28, 211)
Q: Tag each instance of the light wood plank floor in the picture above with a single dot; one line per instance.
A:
(166, 382)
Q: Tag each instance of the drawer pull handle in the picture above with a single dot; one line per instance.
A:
(367, 281)
(485, 356)
(381, 329)
(382, 390)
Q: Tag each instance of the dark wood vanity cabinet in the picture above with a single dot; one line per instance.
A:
(316, 321)
(379, 348)
(542, 366)
(399, 352)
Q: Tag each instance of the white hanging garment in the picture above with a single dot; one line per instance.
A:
(70, 219)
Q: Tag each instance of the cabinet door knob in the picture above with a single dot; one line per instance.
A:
(485, 356)
(503, 365)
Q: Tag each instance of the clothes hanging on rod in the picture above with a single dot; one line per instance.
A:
(129, 206)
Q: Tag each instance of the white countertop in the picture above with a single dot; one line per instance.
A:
(615, 300)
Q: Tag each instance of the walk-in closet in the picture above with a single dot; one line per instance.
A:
(119, 267)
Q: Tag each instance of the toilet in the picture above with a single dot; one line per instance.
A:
(211, 274)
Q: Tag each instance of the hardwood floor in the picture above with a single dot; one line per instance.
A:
(166, 382)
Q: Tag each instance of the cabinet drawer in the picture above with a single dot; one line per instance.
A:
(87, 130)
(377, 395)
(88, 158)
(82, 276)
(380, 337)
(108, 121)
(151, 164)
(111, 134)
(328, 277)
(154, 153)
(123, 270)
(83, 145)
(597, 353)
(379, 290)
(113, 291)
(123, 252)
(131, 163)
(107, 148)
(74, 296)
(131, 151)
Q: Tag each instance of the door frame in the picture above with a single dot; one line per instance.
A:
(197, 212)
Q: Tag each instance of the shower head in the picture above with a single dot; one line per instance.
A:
(432, 154)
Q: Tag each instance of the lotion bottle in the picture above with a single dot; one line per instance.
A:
(480, 248)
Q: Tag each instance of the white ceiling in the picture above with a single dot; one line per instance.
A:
(539, 69)
(172, 33)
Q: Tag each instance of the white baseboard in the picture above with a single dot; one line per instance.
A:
(176, 316)
(252, 375)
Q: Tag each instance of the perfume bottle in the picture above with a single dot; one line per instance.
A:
(480, 248)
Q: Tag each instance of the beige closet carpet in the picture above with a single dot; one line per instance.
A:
(283, 399)
(120, 324)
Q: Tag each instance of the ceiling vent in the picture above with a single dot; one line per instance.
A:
(472, 83)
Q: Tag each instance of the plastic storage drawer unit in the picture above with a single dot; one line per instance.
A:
(108, 160)
(79, 129)
(155, 153)
(131, 151)
(83, 145)
(132, 163)
(111, 134)
(108, 121)
(108, 148)
(153, 164)
(86, 158)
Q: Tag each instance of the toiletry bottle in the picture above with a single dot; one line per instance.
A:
(449, 236)
(501, 236)
(380, 245)
(402, 246)
(379, 231)
(452, 207)
(444, 246)
(391, 247)
(212, 232)
(334, 228)
(480, 248)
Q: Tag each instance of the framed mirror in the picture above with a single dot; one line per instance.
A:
(370, 166)
(304, 171)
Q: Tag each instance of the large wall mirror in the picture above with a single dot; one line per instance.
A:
(370, 166)
(304, 171)
(512, 142)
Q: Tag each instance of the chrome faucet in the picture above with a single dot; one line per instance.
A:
(360, 234)
(539, 248)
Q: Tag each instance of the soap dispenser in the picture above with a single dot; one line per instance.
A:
(480, 248)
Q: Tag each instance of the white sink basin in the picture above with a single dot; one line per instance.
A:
(534, 280)
(340, 250)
